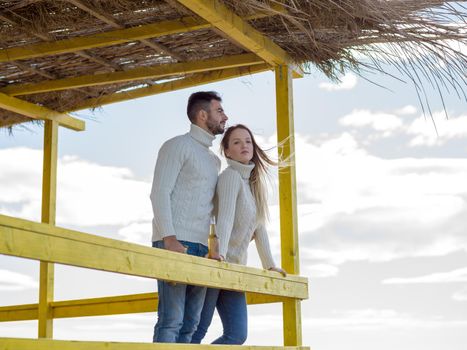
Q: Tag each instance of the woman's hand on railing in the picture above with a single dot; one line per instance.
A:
(278, 269)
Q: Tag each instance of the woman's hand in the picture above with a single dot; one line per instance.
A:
(278, 269)
(217, 257)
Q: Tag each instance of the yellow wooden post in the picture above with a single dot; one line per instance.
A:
(49, 194)
(287, 200)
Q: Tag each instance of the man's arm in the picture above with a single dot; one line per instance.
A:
(170, 161)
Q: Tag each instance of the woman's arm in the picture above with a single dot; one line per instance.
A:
(264, 250)
(228, 187)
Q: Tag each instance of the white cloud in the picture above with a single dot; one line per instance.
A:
(88, 194)
(406, 110)
(429, 131)
(460, 295)
(321, 270)
(136, 232)
(382, 122)
(14, 281)
(423, 130)
(378, 319)
(348, 82)
(458, 275)
(354, 206)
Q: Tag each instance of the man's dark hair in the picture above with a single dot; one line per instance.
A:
(200, 101)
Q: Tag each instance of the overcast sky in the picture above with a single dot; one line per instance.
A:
(382, 202)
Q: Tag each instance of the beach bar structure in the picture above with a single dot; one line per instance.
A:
(59, 57)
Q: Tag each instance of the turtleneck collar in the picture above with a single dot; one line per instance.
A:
(201, 135)
(243, 169)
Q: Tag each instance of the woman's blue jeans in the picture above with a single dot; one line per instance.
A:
(180, 305)
(232, 310)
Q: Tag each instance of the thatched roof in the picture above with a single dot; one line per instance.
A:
(415, 36)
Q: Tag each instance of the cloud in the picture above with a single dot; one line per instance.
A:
(459, 275)
(378, 319)
(136, 232)
(13, 281)
(460, 295)
(382, 122)
(348, 82)
(354, 206)
(89, 194)
(436, 131)
(430, 131)
(321, 270)
(406, 110)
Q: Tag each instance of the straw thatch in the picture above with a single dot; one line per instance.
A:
(414, 36)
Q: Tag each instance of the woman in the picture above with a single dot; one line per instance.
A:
(242, 212)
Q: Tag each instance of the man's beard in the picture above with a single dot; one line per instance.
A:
(214, 128)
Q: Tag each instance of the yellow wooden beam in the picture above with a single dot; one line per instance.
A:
(49, 204)
(292, 327)
(117, 305)
(34, 111)
(239, 31)
(198, 79)
(109, 38)
(46, 344)
(39, 241)
(142, 73)
(114, 37)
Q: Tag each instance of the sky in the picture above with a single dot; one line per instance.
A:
(382, 203)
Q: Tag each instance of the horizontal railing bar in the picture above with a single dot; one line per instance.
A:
(44, 242)
(104, 306)
(48, 344)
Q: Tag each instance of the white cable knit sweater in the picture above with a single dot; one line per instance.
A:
(184, 185)
(236, 216)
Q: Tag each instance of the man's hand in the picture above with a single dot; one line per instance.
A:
(171, 243)
(278, 269)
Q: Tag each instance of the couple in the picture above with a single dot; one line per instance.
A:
(184, 186)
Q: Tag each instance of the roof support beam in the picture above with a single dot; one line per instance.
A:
(198, 79)
(142, 73)
(120, 36)
(34, 111)
(239, 31)
(106, 18)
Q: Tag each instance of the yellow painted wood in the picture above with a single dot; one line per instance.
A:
(49, 199)
(48, 344)
(116, 305)
(198, 79)
(292, 318)
(114, 37)
(239, 30)
(152, 72)
(38, 241)
(287, 199)
(18, 312)
(49, 176)
(109, 38)
(34, 111)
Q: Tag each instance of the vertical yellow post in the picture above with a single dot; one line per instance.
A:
(49, 194)
(287, 200)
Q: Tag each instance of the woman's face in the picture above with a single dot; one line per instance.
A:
(240, 147)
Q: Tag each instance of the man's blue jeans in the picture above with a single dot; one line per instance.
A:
(232, 310)
(180, 305)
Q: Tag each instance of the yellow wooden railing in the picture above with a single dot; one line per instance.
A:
(50, 244)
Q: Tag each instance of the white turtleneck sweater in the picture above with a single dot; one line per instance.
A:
(183, 187)
(236, 216)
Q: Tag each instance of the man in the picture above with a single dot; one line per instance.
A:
(182, 194)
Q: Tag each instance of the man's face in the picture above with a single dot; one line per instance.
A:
(216, 118)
